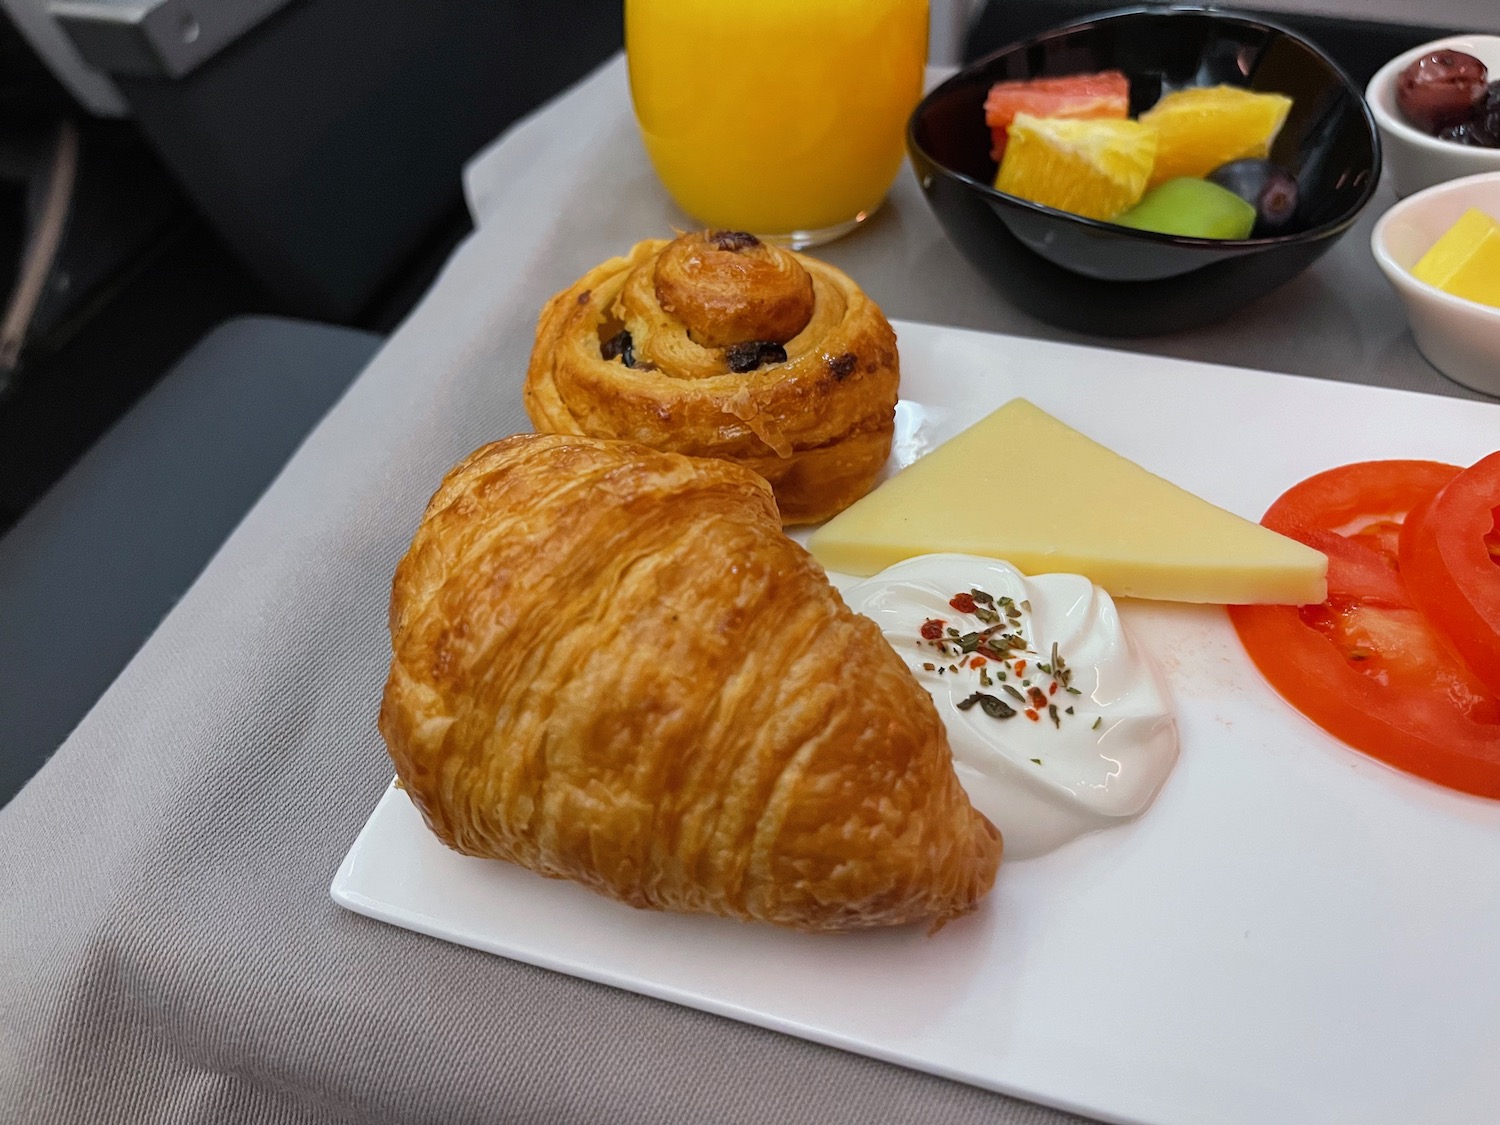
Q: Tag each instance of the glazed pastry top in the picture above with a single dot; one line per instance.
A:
(717, 345)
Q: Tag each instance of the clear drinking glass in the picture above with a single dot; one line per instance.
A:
(784, 118)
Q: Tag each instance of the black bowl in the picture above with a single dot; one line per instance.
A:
(1100, 278)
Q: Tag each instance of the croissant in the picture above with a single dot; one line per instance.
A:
(718, 345)
(611, 666)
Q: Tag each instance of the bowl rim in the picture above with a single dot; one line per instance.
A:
(1401, 278)
(1333, 226)
(1384, 78)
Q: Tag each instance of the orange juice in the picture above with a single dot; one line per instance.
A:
(776, 116)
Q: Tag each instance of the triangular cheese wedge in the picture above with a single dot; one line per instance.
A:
(1021, 486)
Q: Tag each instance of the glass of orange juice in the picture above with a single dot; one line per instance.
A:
(784, 118)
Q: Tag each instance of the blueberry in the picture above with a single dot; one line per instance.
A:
(1267, 187)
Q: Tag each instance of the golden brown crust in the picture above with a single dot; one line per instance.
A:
(611, 666)
(818, 426)
(730, 288)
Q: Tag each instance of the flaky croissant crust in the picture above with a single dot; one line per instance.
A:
(611, 666)
(818, 426)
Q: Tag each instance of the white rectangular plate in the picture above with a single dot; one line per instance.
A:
(1292, 933)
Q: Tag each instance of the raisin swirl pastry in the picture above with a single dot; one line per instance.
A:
(717, 345)
(611, 666)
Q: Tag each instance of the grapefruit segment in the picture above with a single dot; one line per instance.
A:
(1077, 96)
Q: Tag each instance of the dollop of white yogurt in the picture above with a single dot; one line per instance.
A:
(1064, 727)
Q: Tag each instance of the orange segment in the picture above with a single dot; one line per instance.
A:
(1206, 126)
(1096, 168)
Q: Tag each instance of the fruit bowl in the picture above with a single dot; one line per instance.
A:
(1095, 276)
(1414, 159)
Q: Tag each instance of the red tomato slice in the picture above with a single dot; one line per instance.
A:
(1358, 568)
(1357, 497)
(1366, 665)
(1353, 515)
(1451, 568)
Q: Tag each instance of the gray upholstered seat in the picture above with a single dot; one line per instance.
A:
(90, 570)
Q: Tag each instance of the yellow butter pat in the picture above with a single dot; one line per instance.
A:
(1020, 485)
(1466, 260)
